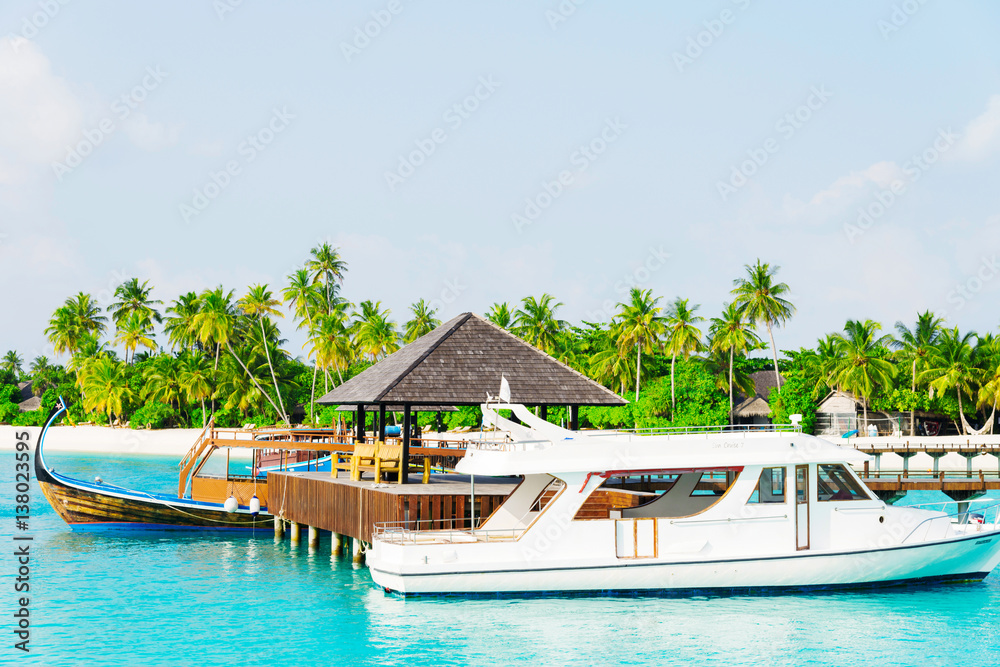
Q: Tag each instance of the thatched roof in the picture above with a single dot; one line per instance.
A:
(30, 405)
(25, 389)
(460, 362)
(756, 405)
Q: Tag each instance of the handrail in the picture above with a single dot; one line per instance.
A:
(192, 456)
(399, 532)
(962, 522)
(696, 430)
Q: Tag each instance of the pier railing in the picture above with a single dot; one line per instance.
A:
(456, 531)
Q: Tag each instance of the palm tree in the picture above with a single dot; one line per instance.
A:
(501, 315)
(759, 299)
(258, 304)
(179, 325)
(327, 267)
(133, 299)
(683, 337)
(133, 331)
(77, 319)
(162, 381)
(330, 344)
(374, 332)
(732, 334)
(641, 325)
(862, 363)
(423, 321)
(105, 387)
(952, 364)
(916, 345)
(612, 363)
(304, 298)
(536, 323)
(196, 380)
(12, 362)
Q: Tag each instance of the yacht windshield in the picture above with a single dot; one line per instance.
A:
(834, 482)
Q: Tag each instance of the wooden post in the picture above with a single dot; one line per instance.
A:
(574, 417)
(543, 412)
(357, 556)
(381, 422)
(296, 532)
(336, 543)
(359, 427)
(279, 527)
(404, 460)
(313, 537)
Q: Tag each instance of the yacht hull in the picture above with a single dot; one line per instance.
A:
(967, 558)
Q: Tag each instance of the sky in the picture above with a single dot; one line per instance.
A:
(471, 153)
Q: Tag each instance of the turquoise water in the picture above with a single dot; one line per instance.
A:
(164, 599)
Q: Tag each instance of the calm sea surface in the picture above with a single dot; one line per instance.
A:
(168, 599)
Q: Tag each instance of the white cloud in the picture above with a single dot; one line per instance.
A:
(150, 136)
(39, 113)
(856, 183)
(981, 137)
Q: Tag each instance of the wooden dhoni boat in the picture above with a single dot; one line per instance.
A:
(100, 506)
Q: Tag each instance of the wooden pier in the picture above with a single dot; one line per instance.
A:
(351, 509)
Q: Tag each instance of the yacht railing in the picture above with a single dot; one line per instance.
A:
(964, 521)
(508, 446)
(441, 531)
(726, 429)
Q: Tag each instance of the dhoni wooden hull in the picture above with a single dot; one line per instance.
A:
(86, 506)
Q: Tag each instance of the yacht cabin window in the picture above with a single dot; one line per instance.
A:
(770, 487)
(834, 482)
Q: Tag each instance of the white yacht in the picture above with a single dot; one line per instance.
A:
(723, 510)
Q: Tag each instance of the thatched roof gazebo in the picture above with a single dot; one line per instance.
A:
(459, 363)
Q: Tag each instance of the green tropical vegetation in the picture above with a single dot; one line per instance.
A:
(218, 354)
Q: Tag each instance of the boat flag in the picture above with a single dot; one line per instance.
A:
(504, 389)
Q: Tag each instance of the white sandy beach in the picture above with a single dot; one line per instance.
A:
(104, 439)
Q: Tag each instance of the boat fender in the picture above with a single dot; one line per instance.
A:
(231, 504)
(98, 480)
(255, 505)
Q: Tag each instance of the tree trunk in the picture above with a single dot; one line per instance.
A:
(731, 419)
(638, 368)
(203, 418)
(774, 352)
(215, 373)
(267, 353)
(913, 388)
(252, 378)
(312, 397)
(673, 397)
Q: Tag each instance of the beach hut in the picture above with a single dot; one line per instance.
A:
(754, 409)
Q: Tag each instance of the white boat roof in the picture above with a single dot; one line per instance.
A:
(541, 447)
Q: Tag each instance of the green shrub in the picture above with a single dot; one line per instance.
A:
(153, 415)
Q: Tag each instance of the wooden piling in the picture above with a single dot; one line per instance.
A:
(296, 532)
(279, 527)
(357, 556)
(336, 543)
(313, 537)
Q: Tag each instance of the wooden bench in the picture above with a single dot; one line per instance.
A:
(385, 459)
(364, 455)
(342, 461)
